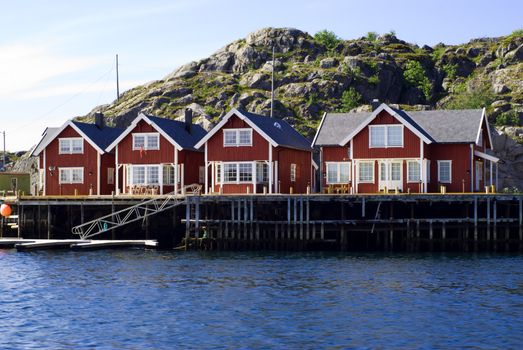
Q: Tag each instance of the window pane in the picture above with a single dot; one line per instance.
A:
(78, 175)
(218, 173)
(245, 172)
(395, 171)
(152, 175)
(138, 173)
(64, 175)
(383, 172)
(377, 136)
(262, 172)
(293, 172)
(168, 175)
(344, 172)
(332, 172)
(152, 141)
(413, 171)
(139, 141)
(245, 137)
(366, 171)
(65, 146)
(394, 135)
(229, 137)
(230, 172)
(444, 171)
(77, 145)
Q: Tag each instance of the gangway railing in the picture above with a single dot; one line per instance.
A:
(134, 213)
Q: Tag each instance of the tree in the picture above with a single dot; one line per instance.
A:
(415, 76)
(327, 38)
(350, 99)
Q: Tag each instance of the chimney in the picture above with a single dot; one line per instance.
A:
(375, 104)
(99, 120)
(188, 119)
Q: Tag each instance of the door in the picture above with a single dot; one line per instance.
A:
(479, 175)
(390, 175)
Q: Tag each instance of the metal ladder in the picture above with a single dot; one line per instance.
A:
(134, 213)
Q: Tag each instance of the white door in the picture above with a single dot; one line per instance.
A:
(390, 175)
(479, 175)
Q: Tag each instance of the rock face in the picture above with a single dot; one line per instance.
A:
(310, 78)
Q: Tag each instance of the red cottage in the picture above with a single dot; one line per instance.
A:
(391, 149)
(73, 160)
(246, 152)
(157, 155)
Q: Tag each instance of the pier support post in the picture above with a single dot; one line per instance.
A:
(187, 221)
(48, 221)
(488, 220)
(476, 219)
(520, 220)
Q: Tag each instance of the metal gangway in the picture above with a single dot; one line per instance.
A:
(134, 213)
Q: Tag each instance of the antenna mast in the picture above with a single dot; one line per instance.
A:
(272, 84)
(117, 81)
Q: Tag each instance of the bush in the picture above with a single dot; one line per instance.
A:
(350, 99)
(372, 36)
(451, 70)
(510, 118)
(327, 38)
(415, 76)
(479, 97)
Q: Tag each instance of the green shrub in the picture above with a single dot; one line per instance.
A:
(374, 79)
(350, 99)
(372, 36)
(464, 98)
(328, 39)
(415, 76)
(451, 70)
(510, 118)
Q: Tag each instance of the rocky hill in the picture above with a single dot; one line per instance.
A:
(319, 73)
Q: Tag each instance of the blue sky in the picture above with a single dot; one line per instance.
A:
(57, 58)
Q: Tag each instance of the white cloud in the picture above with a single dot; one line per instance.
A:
(24, 66)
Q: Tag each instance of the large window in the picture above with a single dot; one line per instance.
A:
(237, 137)
(146, 141)
(366, 172)
(71, 175)
(245, 171)
(145, 175)
(230, 172)
(338, 172)
(71, 145)
(235, 172)
(413, 171)
(444, 171)
(386, 136)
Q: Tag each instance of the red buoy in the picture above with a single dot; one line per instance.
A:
(5, 210)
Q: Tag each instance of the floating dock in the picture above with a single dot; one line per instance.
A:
(22, 244)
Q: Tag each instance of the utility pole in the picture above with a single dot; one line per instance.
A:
(272, 84)
(117, 81)
(3, 166)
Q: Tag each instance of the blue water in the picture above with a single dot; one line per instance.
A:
(135, 299)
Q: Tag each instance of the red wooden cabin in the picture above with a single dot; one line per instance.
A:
(73, 160)
(247, 152)
(391, 149)
(157, 155)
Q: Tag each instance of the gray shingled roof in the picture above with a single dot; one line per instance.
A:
(49, 134)
(441, 126)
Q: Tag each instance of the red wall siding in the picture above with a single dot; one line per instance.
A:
(108, 161)
(217, 152)
(126, 155)
(88, 160)
(410, 149)
(192, 162)
(460, 156)
(302, 159)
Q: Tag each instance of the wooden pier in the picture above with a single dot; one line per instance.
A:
(374, 222)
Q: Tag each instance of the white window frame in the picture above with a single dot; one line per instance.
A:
(236, 165)
(293, 172)
(69, 175)
(237, 140)
(386, 135)
(450, 171)
(147, 168)
(146, 136)
(338, 172)
(262, 172)
(65, 145)
(168, 174)
(110, 176)
(371, 181)
(409, 164)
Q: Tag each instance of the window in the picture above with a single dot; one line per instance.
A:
(262, 172)
(366, 172)
(110, 176)
(201, 174)
(445, 171)
(386, 136)
(338, 172)
(145, 175)
(245, 172)
(146, 141)
(230, 172)
(71, 145)
(413, 171)
(293, 172)
(237, 137)
(71, 175)
(168, 174)
(218, 170)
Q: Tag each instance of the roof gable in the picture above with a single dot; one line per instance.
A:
(173, 130)
(276, 131)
